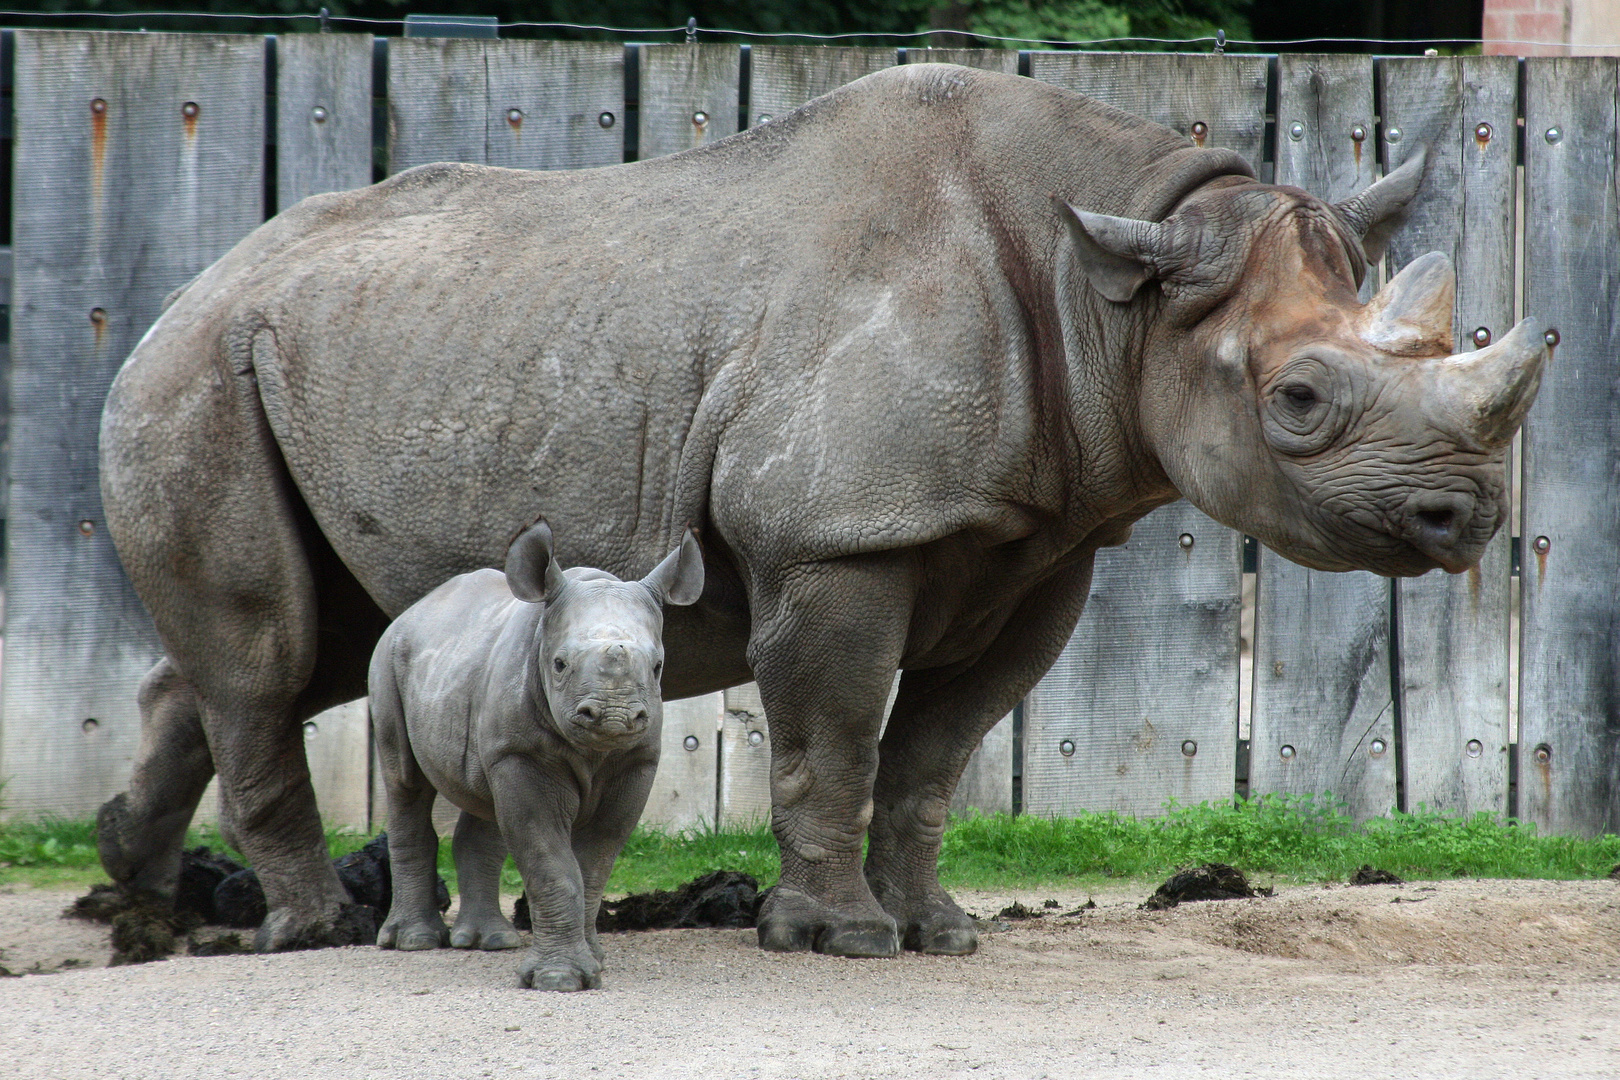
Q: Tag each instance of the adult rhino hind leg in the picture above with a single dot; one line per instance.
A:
(141, 831)
(208, 526)
(938, 720)
(824, 650)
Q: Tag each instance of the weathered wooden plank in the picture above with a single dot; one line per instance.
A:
(323, 114)
(1323, 718)
(986, 783)
(688, 96)
(138, 162)
(438, 99)
(337, 745)
(569, 97)
(1225, 94)
(1002, 60)
(1452, 632)
(1152, 670)
(745, 759)
(1569, 714)
(783, 77)
(520, 104)
(683, 796)
(1141, 706)
(5, 388)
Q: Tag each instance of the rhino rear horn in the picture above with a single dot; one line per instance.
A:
(1118, 255)
(1411, 316)
(532, 572)
(679, 578)
(1376, 213)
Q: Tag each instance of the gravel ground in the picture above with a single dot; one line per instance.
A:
(1458, 979)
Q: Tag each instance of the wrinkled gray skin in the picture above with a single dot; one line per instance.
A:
(530, 700)
(906, 358)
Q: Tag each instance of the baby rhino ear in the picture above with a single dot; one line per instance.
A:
(532, 572)
(679, 578)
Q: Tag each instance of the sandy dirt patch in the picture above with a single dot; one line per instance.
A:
(1458, 979)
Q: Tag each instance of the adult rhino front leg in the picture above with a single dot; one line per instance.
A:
(826, 642)
(938, 719)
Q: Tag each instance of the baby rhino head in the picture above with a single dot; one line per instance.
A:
(600, 651)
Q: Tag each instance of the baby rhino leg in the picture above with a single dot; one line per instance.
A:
(413, 921)
(480, 853)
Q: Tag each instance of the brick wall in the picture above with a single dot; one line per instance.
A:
(1579, 27)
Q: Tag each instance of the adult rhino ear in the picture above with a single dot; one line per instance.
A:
(679, 578)
(1379, 210)
(1119, 255)
(532, 572)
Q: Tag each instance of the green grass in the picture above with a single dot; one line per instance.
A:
(1297, 839)
(1303, 840)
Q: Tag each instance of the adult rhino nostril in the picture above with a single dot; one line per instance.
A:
(1439, 521)
(641, 716)
(589, 712)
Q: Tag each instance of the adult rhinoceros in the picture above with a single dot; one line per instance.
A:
(890, 354)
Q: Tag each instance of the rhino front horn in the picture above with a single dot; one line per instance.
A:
(1490, 391)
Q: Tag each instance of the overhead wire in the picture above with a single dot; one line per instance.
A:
(690, 30)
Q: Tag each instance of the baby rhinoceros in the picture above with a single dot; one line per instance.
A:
(530, 700)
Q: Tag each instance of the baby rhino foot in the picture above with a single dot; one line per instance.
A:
(413, 935)
(489, 932)
(567, 971)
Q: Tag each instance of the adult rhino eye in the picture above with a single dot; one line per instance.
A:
(658, 669)
(1306, 407)
(558, 665)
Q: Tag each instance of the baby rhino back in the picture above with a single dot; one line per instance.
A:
(531, 701)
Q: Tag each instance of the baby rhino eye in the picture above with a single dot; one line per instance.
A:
(558, 664)
(658, 669)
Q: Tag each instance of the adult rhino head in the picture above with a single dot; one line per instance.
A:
(1344, 435)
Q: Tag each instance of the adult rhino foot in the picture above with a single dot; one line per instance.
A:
(488, 933)
(112, 837)
(933, 924)
(793, 921)
(563, 971)
(288, 930)
(129, 851)
(941, 932)
(414, 935)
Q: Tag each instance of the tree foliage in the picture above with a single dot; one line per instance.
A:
(1066, 20)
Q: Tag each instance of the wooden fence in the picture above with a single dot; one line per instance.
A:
(139, 158)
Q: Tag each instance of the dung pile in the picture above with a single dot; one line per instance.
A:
(201, 872)
(145, 926)
(213, 890)
(724, 899)
(239, 898)
(1367, 875)
(1212, 881)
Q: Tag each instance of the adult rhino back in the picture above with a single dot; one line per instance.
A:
(904, 359)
